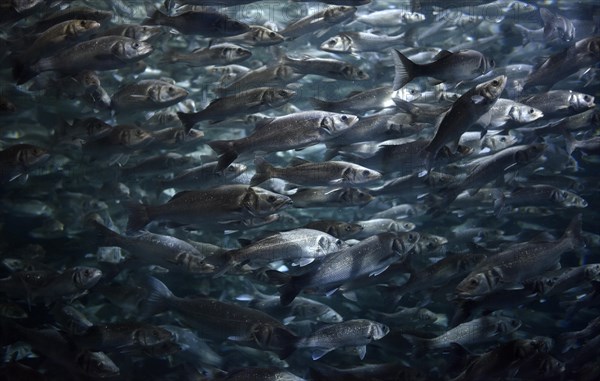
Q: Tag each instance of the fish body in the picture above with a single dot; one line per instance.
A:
(218, 205)
(148, 94)
(293, 131)
(102, 53)
(513, 266)
(448, 66)
(357, 333)
(463, 114)
(248, 101)
(370, 257)
(199, 22)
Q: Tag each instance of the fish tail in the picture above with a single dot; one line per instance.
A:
(321, 104)
(106, 236)
(570, 141)
(226, 151)
(22, 72)
(288, 292)
(188, 120)
(405, 70)
(158, 298)
(138, 217)
(420, 345)
(264, 171)
(291, 343)
(573, 232)
(524, 33)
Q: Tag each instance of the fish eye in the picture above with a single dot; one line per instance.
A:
(411, 237)
(240, 50)
(531, 111)
(344, 118)
(135, 45)
(361, 73)
(495, 82)
(366, 173)
(586, 98)
(503, 139)
(283, 93)
(473, 282)
(271, 198)
(272, 34)
(331, 42)
(492, 63)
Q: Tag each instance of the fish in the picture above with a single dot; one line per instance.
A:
(302, 172)
(222, 320)
(370, 257)
(249, 101)
(299, 246)
(465, 111)
(217, 54)
(318, 20)
(293, 131)
(206, 23)
(354, 42)
(212, 207)
(102, 53)
(447, 66)
(358, 333)
(524, 261)
(147, 95)
(17, 159)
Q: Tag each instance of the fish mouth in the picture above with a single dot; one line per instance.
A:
(144, 50)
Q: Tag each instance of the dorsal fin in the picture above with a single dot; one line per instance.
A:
(179, 194)
(261, 123)
(296, 161)
(443, 53)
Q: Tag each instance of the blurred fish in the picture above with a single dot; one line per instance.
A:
(18, 159)
(199, 22)
(319, 20)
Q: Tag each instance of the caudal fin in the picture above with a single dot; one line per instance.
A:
(321, 104)
(158, 297)
(188, 120)
(226, 151)
(138, 217)
(404, 70)
(263, 171)
(288, 292)
(22, 72)
(573, 232)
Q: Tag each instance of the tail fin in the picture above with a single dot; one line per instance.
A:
(264, 171)
(524, 33)
(404, 70)
(226, 151)
(420, 345)
(138, 217)
(289, 291)
(188, 120)
(570, 140)
(573, 232)
(321, 104)
(22, 72)
(107, 236)
(158, 298)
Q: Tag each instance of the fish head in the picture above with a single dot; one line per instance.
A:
(86, 277)
(278, 97)
(129, 50)
(426, 316)
(146, 32)
(337, 44)
(377, 331)
(265, 35)
(330, 316)
(132, 136)
(329, 244)
(353, 196)
(335, 123)
(97, 364)
(506, 325)
(79, 27)
(492, 89)
(407, 94)
(498, 142)
(592, 272)
(166, 93)
(570, 199)
(353, 73)
(525, 114)
(401, 226)
(149, 335)
(337, 14)
(261, 202)
(580, 101)
(479, 283)
(412, 17)
(235, 53)
(234, 170)
(404, 242)
(29, 155)
(529, 153)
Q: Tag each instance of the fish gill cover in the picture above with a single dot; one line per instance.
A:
(299, 190)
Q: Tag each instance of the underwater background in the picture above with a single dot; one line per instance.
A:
(287, 190)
